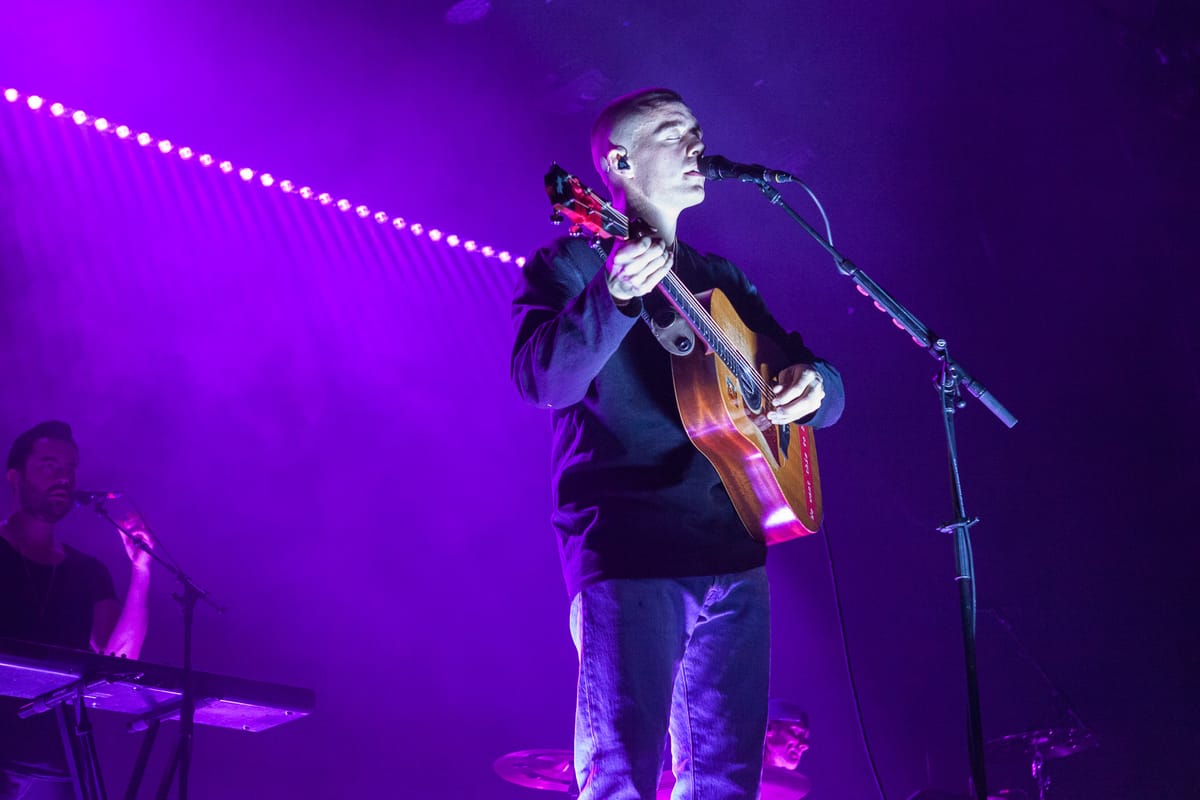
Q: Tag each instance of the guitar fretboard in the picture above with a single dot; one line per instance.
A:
(702, 323)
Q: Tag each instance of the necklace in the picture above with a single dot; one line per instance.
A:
(45, 601)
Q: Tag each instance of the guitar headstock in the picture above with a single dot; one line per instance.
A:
(585, 210)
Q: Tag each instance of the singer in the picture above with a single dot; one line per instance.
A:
(669, 603)
(52, 593)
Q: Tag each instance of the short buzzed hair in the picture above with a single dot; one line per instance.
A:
(616, 112)
(786, 711)
(21, 449)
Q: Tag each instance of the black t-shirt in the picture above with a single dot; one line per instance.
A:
(51, 605)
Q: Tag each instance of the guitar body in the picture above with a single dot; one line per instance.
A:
(770, 471)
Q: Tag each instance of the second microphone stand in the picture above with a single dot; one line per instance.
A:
(187, 598)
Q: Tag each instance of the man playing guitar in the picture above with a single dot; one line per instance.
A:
(669, 596)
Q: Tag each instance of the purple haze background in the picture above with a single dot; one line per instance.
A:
(314, 411)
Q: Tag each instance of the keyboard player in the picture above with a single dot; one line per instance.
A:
(54, 594)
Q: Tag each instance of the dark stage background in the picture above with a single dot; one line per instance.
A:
(313, 410)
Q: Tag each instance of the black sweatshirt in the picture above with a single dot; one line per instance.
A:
(633, 497)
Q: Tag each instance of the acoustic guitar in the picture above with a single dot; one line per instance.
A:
(723, 389)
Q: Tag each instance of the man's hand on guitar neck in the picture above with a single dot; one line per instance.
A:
(635, 268)
(799, 390)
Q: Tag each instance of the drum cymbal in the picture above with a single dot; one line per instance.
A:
(1048, 743)
(547, 769)
(538, 769)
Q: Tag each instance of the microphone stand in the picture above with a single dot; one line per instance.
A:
(187, 599)
(952, 378)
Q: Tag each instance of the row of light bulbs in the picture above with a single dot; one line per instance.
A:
(265, 179)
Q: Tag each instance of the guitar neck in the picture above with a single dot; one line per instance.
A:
(706, 328)
(587, 211)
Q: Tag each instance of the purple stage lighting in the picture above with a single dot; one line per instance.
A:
(144, 139)
(227, 167)
(246, 173)
(123, 131)
(398, 223)
(11, 95)
(381, 217)
(206, 160)
(79, 117)
(101, 124)
(362, 211)
(185, 153)
(165, 146)
(58, 109)
(34, 102)
(286, 186)
(306, 192)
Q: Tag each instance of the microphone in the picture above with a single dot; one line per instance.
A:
(720, 168)
(83, 499)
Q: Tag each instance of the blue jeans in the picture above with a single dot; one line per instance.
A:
(688, 656)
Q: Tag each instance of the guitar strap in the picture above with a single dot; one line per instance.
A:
(668, 326)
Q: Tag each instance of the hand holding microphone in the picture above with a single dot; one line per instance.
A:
(135, 534)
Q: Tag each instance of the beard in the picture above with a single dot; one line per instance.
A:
(40, 505)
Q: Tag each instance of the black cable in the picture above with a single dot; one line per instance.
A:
(837, 599)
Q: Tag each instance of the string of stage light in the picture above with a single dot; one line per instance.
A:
(265, 179)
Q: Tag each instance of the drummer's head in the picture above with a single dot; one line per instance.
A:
(787, 735)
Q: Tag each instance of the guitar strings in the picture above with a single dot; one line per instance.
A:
(746, 368)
